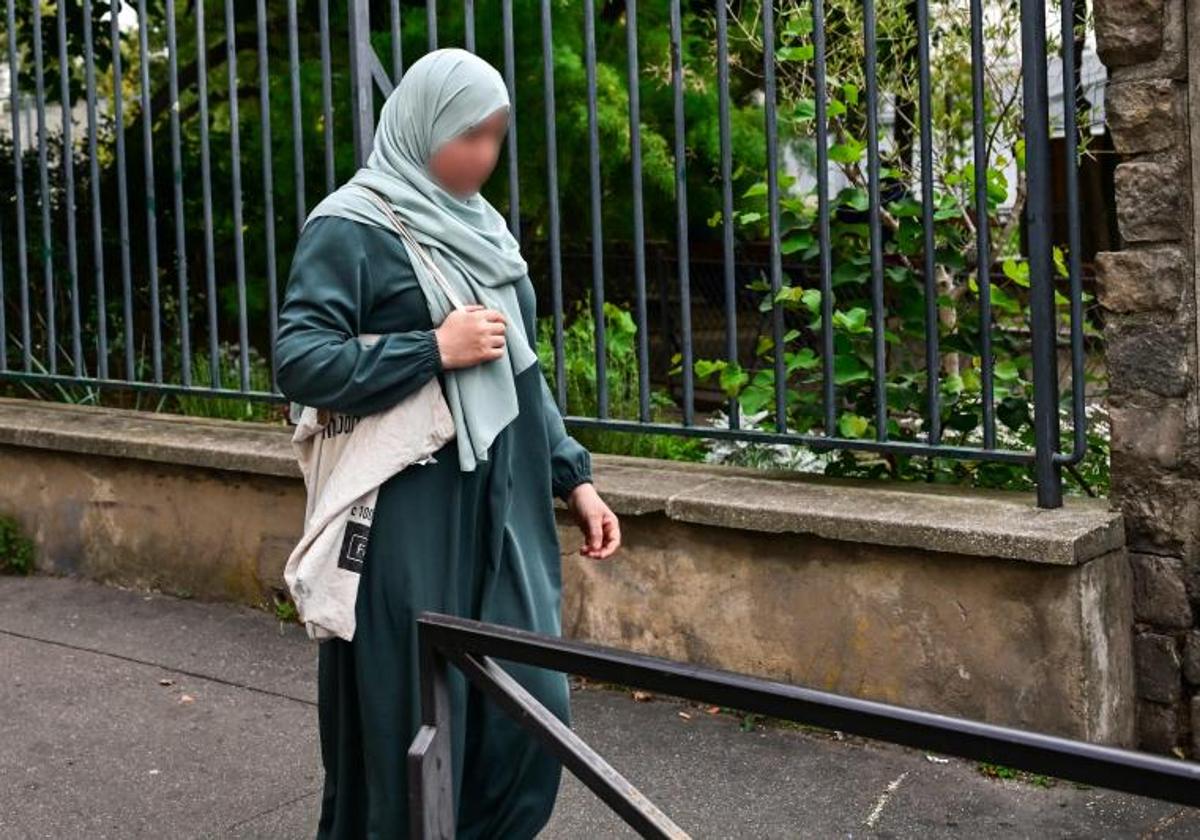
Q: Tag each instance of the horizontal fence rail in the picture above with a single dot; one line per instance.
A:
(473, 647)
(159, 167)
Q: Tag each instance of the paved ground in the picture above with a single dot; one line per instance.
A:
(128, 714)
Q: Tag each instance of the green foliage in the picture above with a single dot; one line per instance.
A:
(285, 609)
(229, 365)
(228, 376)
(16, 549)
(282, 217)
(956, 212)
(621, 366)
(901, 324)
(1000, 771)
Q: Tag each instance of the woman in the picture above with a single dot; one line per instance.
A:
(472, 533)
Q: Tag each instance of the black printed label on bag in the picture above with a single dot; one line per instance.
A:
(354, 546)
(339, 424)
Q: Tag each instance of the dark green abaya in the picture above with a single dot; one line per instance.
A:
(479, 544)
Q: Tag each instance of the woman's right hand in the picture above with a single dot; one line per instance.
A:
(470, 336)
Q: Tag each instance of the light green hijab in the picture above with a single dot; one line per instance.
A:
(441, 95)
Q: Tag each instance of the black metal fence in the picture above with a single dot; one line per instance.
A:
(473, 647)
(161, 211)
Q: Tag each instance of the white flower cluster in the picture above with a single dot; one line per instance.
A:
(745, 453)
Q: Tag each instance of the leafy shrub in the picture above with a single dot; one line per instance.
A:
(893, 315)
(579, 360)
(229, 365)
(16, 549)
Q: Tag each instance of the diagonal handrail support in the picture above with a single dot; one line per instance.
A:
(587, 765)
(472, 646)
(431, 800)
(366, 75)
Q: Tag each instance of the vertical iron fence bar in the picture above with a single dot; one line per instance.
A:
(68, 165)
(210, 279)
(235, 154)
(1037, 219)
(639, 231)
(589, 38)
(185, 321)
(122, 191)
(3, 305)
(510, 64)
(89, 64)
(768, 24)
(327, 94)
(431, 23)
(151, 210)
(685, 297)
(876, 236)
(982, 233)
(19, 186)
(397, 44)
(469, 22)
(362, 86)
(820, 93)
(733, 407)
(1074, 269)
(297, 120)
(47, 249)
(932, 336)
(268, 176)
(560, 376)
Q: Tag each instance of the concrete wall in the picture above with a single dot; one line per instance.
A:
(970, 604)
(1036, 646)
(1148, 290)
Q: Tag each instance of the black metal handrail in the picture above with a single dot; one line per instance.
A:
(473, 646)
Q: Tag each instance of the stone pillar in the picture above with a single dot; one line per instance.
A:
(1148, 291)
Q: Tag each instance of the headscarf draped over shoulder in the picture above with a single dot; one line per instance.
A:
(444, 93)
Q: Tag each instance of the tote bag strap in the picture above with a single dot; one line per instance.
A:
(386, 207)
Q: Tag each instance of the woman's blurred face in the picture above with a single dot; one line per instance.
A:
(463, 163)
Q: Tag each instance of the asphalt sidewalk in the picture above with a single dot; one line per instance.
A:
(133, 714)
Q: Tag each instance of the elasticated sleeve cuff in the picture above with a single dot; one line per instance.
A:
(570, 466)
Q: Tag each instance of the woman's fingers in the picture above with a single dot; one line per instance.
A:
(592, 533)
(603, 535)
(612, 535)
(489, 316)
(595, 531)
(492, 334)
(471, 335)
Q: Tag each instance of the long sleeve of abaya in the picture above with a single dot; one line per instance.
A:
(570, 462)
(326, 305)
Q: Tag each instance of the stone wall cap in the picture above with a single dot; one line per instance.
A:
(941, 518)
(168, 438)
